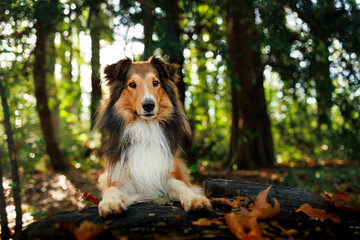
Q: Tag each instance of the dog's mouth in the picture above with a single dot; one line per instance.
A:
(145, 116)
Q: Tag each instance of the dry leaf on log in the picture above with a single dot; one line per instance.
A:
(87, 196)
(262, 209)
(318, 213)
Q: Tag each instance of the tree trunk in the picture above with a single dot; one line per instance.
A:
(148, 22)
(51, 83)
(174, 48)
(57, 159)
(152, 220)
(95, 32)
(251, 143)
(5, 232)
(12, 150)
(319, 68)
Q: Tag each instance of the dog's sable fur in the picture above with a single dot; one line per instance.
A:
(146, 126)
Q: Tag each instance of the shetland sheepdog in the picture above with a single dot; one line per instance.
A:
(146, 125)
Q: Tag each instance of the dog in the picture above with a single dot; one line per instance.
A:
(146, 126)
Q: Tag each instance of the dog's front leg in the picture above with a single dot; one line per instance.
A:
(113, 202)
(190, 200)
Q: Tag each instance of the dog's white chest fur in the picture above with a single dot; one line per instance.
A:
(146, 163)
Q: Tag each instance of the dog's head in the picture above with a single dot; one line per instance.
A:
(145, 90)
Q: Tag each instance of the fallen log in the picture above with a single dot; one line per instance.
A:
(149, 220)
(289, 198)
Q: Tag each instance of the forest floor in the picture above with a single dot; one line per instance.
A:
(47, 193)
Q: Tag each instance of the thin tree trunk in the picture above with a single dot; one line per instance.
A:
(148, 22)
(176, 48)
(324, 88)
(12, 149)
(50, 69)
(95, 32)
(57, 159)
(251, 143)
(5, 232)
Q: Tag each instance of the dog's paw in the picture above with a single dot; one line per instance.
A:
(195, 203)
(112, 207)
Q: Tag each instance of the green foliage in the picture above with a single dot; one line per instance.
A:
(319, 179)
(301, 42)
(309, 113)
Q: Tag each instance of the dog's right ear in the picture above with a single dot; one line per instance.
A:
(117, 71)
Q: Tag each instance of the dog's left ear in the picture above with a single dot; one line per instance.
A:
(166, 70)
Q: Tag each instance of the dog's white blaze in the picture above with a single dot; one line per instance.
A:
(148, 97)
(145, 166)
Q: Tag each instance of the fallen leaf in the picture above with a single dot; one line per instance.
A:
(160, 224)
(207, 222)
(240, 198)
(87, 196)
(337, 195)
(269, 234)
(87, 230)
(283, 230)
(263, 225)
(337, 199)
(243, 228)
(244, 211)
(211, 232)
(262, 209)
(226, 202)
(318, 213)
(246, 227)
(123, 238)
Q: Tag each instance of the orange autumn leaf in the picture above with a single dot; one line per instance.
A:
(87, 196)
(243, 228)
(207, 222)
(283, 230)
(226, 202)
(240, 198)
(262, 209)
(337, 199)
(243, 211)
(318, 213)
(337, 195)
(328, 176)
(87, 230)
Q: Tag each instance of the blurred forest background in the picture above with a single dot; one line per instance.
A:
(264, 83)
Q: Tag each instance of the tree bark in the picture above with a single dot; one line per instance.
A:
(12, 150)
(174, 48)
(289, 198)
(319, 68)
(95, 31)
(150, 221)
(5, 232)
(251, 143)
(148, 23)
(57, 159)
(51, 83)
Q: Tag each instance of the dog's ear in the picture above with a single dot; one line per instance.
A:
(166, 70)
(117, 71)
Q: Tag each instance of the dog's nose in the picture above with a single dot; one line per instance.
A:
(148, 105)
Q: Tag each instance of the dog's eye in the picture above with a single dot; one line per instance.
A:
(132, 85)
(155, 83)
